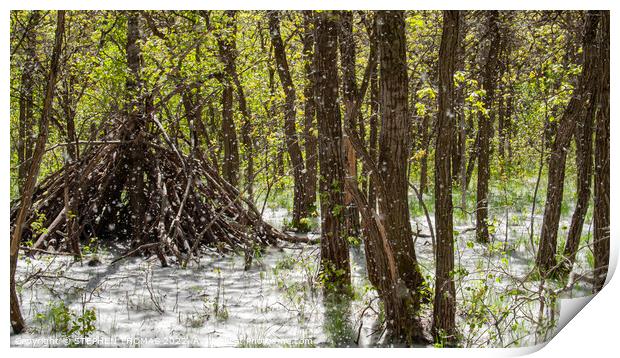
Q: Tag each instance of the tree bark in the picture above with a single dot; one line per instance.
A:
(334, 248)
(444, 309)
(25, 141)
(300, 210)
(485, 128)
(136, 123)
(72, 190)
(228, 53)
(426, 143)
(310, 144)
(601, 169)
(545, 259)
(394, 144)
(350, 93)
(459, 150)
(583, 154)
(17, 321)
(226, 45)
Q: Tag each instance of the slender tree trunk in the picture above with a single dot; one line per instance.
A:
(426, 143)
(17, 321)
(300, 210)
(334, 248)
(601, 168)
(72, 192)
(393, 155)
(583, 154)
(226, 45)
(374, 117)
(25, 141)
(545, 259)
(485, 128)
(444, 309)
(136, 119)
(501, 123)
(350, 93)
(310, 144)
(459, 150)
(230, 164)
(228, 53)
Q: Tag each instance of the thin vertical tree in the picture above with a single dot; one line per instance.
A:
(394, 144)
(133, 157)
(17, 320)
(25, 142)
(310, 142)
(485, 127)
(444, 309)
(300, 208)
(545, 258)
(583, 131)
(226, 44)
(334, 248)
(350, 93)
(601, 168)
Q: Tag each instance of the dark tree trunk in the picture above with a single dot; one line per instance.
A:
(373, 138)
(350, 93)
(226, 45)
(394, 144)
(374, 116)
(72, 193)
(545, 259)
(459, 150)
(501, 123)
(25, 142)
(134, 137)
(601, 168)
(426, 143)
(485, 128)
(17, 321)
(583, 154)
(300, 209)
(228, 52)
(310, 144)
(230, 163)
(444, 309)
(334, 248)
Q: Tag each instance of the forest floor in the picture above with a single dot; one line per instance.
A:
(279, 302)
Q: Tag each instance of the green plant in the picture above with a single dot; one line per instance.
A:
(64, 321)
(37, 224)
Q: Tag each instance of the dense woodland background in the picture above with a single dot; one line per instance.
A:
(171, 132)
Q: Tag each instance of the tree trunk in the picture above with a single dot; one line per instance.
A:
(230, 165)
(601, 168)
(394, 144)
(334, 248)
(310, 144)
(485, 128)
(426, 143)
(25, 141)
(350, 93)
(300, 210)
(136, 122)
(583, 154)
(545, 259)
(228, 53)
(374, 117)
(17, 321)
(459, 150)
(231, 162)
(444, 309)
(72, 190)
